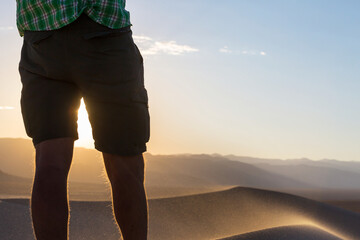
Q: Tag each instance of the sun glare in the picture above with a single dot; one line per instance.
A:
(84, 128)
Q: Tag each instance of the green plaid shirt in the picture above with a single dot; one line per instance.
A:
(40, 15)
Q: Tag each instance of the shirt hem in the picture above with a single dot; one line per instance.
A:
(70, 20)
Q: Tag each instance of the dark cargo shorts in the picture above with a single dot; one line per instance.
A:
(89, 60)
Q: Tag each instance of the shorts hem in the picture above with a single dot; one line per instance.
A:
(39, 140)
(122, 151)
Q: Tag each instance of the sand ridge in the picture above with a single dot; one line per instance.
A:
(234, 212)
(297, 232)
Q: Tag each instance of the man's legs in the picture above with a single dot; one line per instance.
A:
(49, 202)
(126, 175)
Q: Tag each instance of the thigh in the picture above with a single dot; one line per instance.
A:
(54, 153)
(114, 93)
(121, 129)
(49, 107)
(119, 168)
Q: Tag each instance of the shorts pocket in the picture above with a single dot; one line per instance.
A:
(35, 37)
(107, 33)
(140, 96)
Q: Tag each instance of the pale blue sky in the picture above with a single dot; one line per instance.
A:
(277, 79)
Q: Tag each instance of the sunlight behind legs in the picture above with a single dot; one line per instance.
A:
(84, 128)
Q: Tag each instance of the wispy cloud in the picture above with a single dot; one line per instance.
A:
(227, 50)
(4, 28)
(253, 52)
(141, 39)
(6, 108)
(150, 46)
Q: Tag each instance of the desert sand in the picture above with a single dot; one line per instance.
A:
(197, 197)
(244, 213)
(296, 232)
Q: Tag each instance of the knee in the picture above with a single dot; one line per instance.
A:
(54, 156)
(50, 182)
(50, 178)
(124, 169)
(50, 171)
(52, 167)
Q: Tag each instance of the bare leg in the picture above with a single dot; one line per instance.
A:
(49, 202)
(126, 175)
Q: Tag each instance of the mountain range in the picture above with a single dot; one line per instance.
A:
(172, 175)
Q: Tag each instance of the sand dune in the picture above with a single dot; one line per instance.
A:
(15, 220)
(234, 212)
(302, 232)
(242, 212)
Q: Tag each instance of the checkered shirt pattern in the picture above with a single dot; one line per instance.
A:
(43, 15)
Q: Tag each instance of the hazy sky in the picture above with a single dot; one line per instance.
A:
(275, 79)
